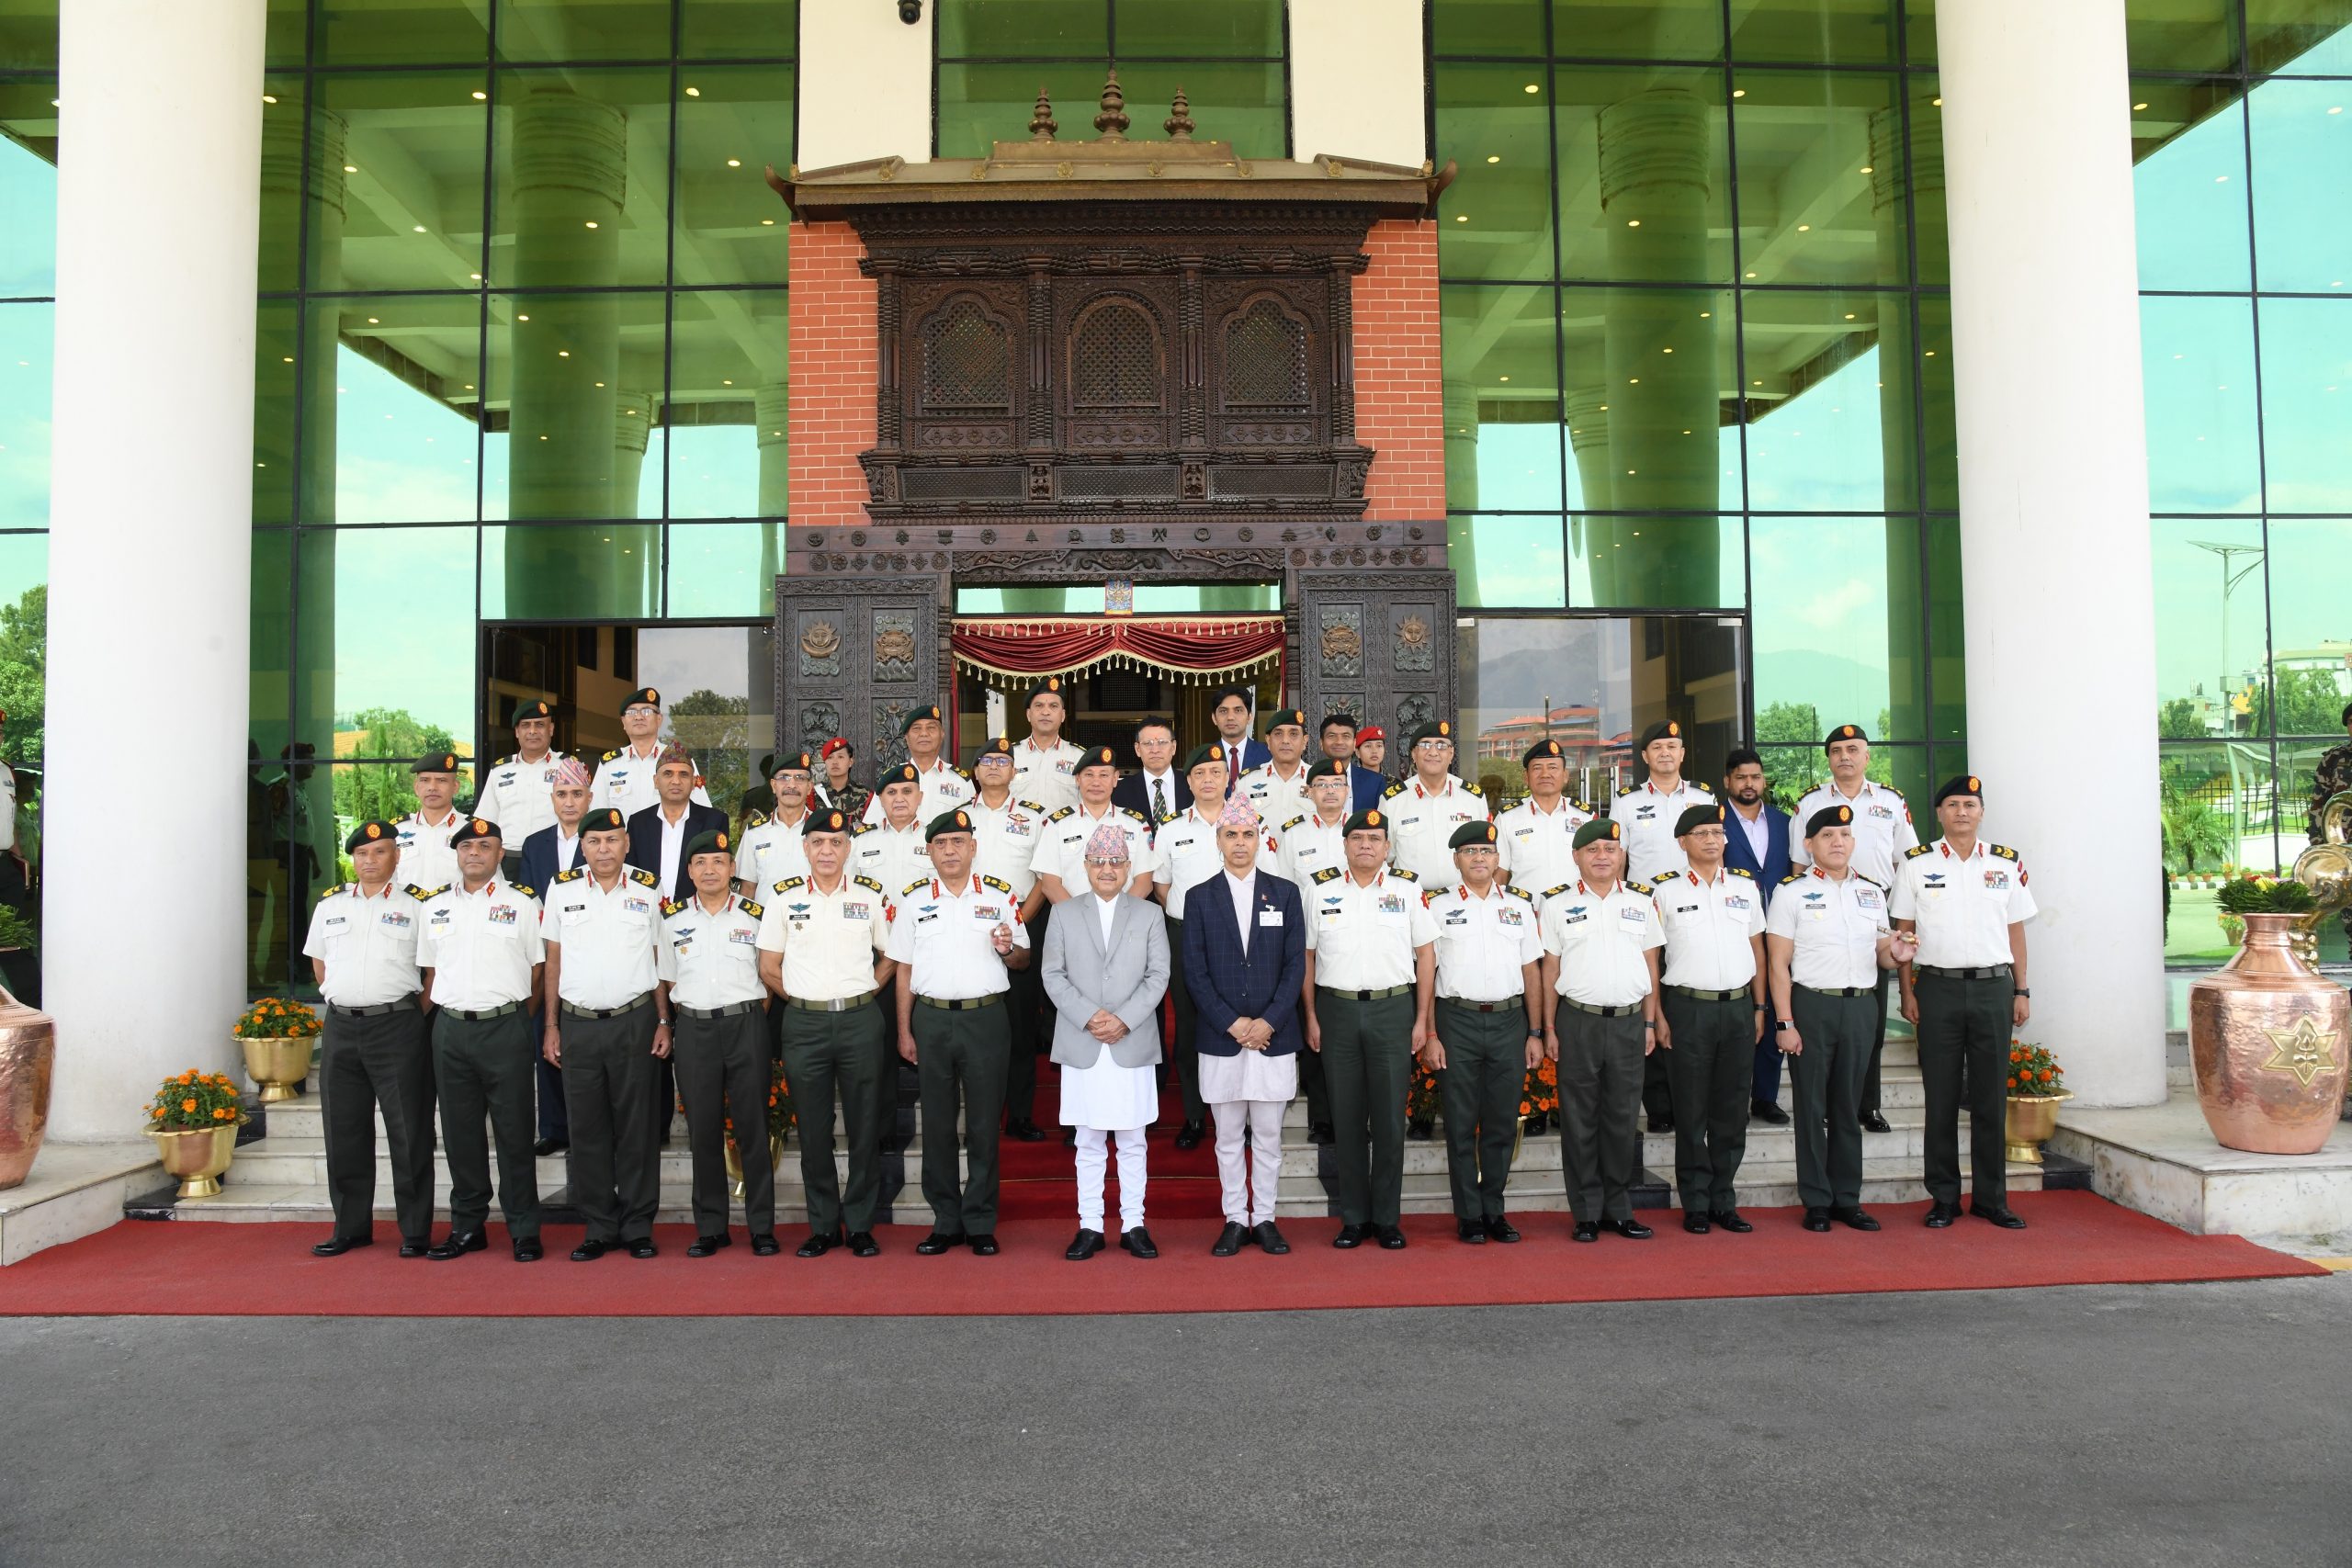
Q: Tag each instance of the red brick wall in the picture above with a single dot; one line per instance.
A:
(831, 317)
(1400, 394)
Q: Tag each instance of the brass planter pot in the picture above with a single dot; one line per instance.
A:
(2267, 1037)
(28, 1057)
(2032, 1118)
(278, 1064)
(196, 1158)
(735, 1165)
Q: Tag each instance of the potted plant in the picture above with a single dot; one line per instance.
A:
(19, 954)
(2267, 1030)
(2037, 1087)
(277, 1035)
(194, 1120)
(780, 1120)
(1539, 1101)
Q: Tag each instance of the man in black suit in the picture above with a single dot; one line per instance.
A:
(555, 848)
(657, 836)
(1155, 791)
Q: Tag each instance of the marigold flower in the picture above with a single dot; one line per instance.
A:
(188, 1105)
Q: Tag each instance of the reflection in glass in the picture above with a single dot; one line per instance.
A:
(1503, 398)
(1645, 180)
(721, 681)
(566, 29)
(1495, 220)
(2311, 622)
(1232, 101)
(1820, 588)
(1661, 29)
(1830, 415)
(2302, 146)
(2211, 630)
(2188, 185)
(2307, 403)
(2181, 35)
(724, 568)
(982, 105)
(1821, 192)
(2196, 357)
(278, 332)
(583, 194)
(1939, 430)
(729, 405)
(1221, 27)
(1507, 563)
(283, 108)
(28, 36)
(395, 173)
(733, 123)
(404, 633)
(739, 29)
(1946, 641)
(595, 571)
(25, 370)
(2310, 37)
(2219, 815)
(1669, 551)
(1491, 27)
(401, 32)
(1826, 32)
(27, 189)
(269, 689)
(388, 426)
(1014, 29)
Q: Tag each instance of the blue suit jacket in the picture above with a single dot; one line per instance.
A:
(1367, 785)
(1226, 984)
(1253, 755)
(1775, 848)
(538, 861)
(645, 840)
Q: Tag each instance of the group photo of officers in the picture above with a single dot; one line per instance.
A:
(590, 946)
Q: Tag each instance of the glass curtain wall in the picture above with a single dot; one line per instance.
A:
(522, 356)
(28, 286)
(1697, 345)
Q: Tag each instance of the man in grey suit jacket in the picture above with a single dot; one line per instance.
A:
(1106, 967)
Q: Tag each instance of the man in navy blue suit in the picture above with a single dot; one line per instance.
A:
(552, 849)
(658, 835)
(1755, 840)
(1233, 711)
(1244, 959)
(1365, 785)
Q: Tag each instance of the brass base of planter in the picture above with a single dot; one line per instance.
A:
(278, 1064)
(735, 1165)
(196, 1158)
(2032, 1118)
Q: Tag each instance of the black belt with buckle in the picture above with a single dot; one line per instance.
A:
(834, 1004)
(963, 1004)
(1508, 1004)
(1990, 972)
(630, 1006)
(1837, 991)
(1364, 996)
(1696, 995)
(730, 1011)
(379, 1010)
(484, 1013)
(1626, 1011)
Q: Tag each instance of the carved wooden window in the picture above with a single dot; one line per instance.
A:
(1265, 360)
(966, 362)
(1114, 360)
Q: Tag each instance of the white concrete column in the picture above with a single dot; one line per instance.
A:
(864, 84)
(2053, 480)
(150, 526)
(1357, 74)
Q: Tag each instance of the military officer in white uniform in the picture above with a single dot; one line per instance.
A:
(518, 792)
(1600, 943)
(1427, 805)
(1189, 855)
(1484, 1037)
(625, 777)
(944, 785)
(1302, 847)
(1006, 827)
(889, 846)
(1043, 765)
(1538, 834)
(1060, 863)
(426, 858)
(1967, 903)
(1884, 834)
(1646, 812)
(770, 849)
(605, 1030)
(1277, 787)
(708, 969)
(480, 952)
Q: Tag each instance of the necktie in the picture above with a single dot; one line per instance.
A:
(1232, 767)
(1159, 802)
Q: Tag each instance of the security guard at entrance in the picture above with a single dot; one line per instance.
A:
(708, 967)
(1489, 961)
(821, 951)
(1369, 967)
(1713, 1001)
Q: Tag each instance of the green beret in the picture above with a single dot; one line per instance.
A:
(371, 832)
(1965, 783)
(832, 819)
(1199, 754)
(916, 715)
(604, 819)
(1473, 836)
(1541, 751)
(1328, 768)
(1051, 686)
(1843, 732)
(1829, 817)
(1697, 817)
(905, 773)
(644, 696)
(955, 821)
(1370, 820)
(789, 762)
(1435, 730)
(1592, 832)
(994, 746)
(1281, 716)
(436, 762)
(481, 828)
(768, 765)
(535, 708)
(1093, 757)
(711, 841)
(1664, 729)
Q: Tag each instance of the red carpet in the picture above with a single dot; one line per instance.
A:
(188, 1269)
(1038, 1182)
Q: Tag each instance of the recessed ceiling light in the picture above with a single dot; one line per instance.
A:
(2136, 108)
(563, 354)
(1866, 169)
(1633, 222)
(522, 318)
(416, 228)
(481, 96)
(269, 99)
(1532, 87)
(1739, 92)
(1462, 218)
(1496, 157)
(694, 92)
(768, 223)
(591, 223)
(1804, 228)
(351, 168)
(734, 163)
(372, 320)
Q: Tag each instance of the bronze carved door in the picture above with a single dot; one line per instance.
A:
(852, 655)
(1378, 645)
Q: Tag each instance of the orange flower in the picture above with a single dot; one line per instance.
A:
(189, 1077)
(187, 1105)
(2045, 1075)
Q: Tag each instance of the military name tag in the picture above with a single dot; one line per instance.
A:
(1457, 916)
(333, 921)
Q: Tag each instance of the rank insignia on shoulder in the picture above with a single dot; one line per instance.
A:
(1627, 790)
(1473, 789)
(1872, 880)
(643, 878)
(671, 906)
(1401, 874)
(756, 820)
(917, 885)
(1393, 790)
(1293, 823)
(574, 875)
(1702, 786)
(1640, 886)
(1793, 876)
(867, 881)
(1327, 874)
(1516, 891)
(1556, 892)
(526, 892)
(751, 909)
(347, 887)
(1031, 805)
(862, 829)
(1583, 805)
(1741, 871)
(2003, 851)
(608, 756)
(1065, 811)
(1138, 816)
(1916, 850)
(789, 883)
(998, 883)
(414, 891)
(1667, 875)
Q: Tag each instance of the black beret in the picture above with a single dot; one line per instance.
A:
(643, 696)
(436, 762)
(479, 828)
(994, 746)
(1473, 836)
(1281, 716)
(1664, 729)
(1964, 783)
(1435, 730)
(1051, 686)
(1203, 754)
(1370, 820)
(1328, 768)
(955, 821)
(915, 717)
(1541, 751)
(832, 819)
(1093, 757)
(1593, 831)
(710, 842)
(1829, 817)
(371, 832)
(1694, 817)
(1843, 732)
(604, 819)
(535, 708)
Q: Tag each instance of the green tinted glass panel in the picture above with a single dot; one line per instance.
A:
(982, 105)
(396, 164)
(274, 899)
(1507, 563)
(1930, 222)
(1487, 27)
(403, 611)
(1182, 27)
(733, 123)
(576, 386)
(725, 568)
(2204, 452)
(1671, 563)
(2298, 792)
(2209, 626)
(603, 571)
(2306, 390)
(727, 405)
(583, 29)
(1503, 398)
(388, 427)
(581, 199)
(1646, 372)
(1938, 428)
(739, 29)
(287, 35)
(1818, 32)
(1920, 31)
(2310, 37)
(28, 35)
(1906, 632)
(1638, 29)
(2303, 157)
(1820, 198)
(1497, 219)
(1947, 644)
(2218, 810)
(2310, 622)
(277, 340)
(1644, 175)
(283, 112)
(1821, 625)
(1017, 28)
(2181, 35)
(402, 32)
(27, 189)
(1830, 412)
(1232, 101)
(270, 695)
(2188, 185)
(26, 366)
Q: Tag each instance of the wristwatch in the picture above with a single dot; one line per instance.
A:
(1783, 1026)
(2023, 992)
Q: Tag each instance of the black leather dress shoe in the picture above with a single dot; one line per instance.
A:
(336, 1245)
(1270, 1240)
(1229, 1240)
(1997, 1213)
(547, 1146)
(1941, 1215)
(529, 1249)
(1422, 1129)
(589, 1251)
(1729, 1220)
(1856, 1218)
(704, 1246)
(1874, 1122)
(1695, 1223)
(643, 1247)
(1190, 1135)
(936, 1243)
(415, 1246)
(1767, 1111)
(1817, 1220)
(1391, 1238)
(1632, 1230)
(863, 1244)
(1321, 1132)
(458, 1246)
(818, 1244)
(1022, 1128)
(1084, 1245)
(1140, 1242)
(1587, 1230)
(1472, 1231)
(1350, 1235)
(765, 1244)
(1500, 1229)
(1661, 1123)
(983, 1244)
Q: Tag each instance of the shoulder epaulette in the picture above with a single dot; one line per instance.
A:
(412, 889)
(1474, 789)
(608, 756)
(1393, 790)
(1641, 886)
(867, 881)
(999, 883)
(1891, 790)
(2003, 851)
(574, 875)
(862, 829)
(1294, 822)
(1516, 891)
(756, 820)
(1138, 816)
(1793, 876)
(1065, 811)
(421, 894)
(1627, 790)
(524, 889)
(1399, 872)
(1583, 805)
(1327, 874)
(961, 772)
(1872, 880)
(642, 877)
(1741, 871)
(1667, 875)
(671, 906)
(1701, 787)
(789, 883)
(1031, 804)
(910, 887)
(1556, 892)
(751, 909)
(1916, 850)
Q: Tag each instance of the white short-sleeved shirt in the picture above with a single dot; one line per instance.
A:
(519, 797)
(1061, 844)
(891, 856)
(1006, 839)
(1274, 798)
(1833, 925)
(1363, 937)
(368, 941)
(945, 787)
(829, 941)
(1189, 855)
(482, 947)
(426, 859)
(710, 961)
(1422, 824)
(1482, 941)
(1537, 847)
(1042, 773)
(1645, 816)
(625, 781)
(1963, 905)
(1709, 928)
(1601, 938)
(947, 938)
(768, 853)
(607, 935)
(1310, 844)
(1883, 829)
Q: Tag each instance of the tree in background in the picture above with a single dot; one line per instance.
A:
(381, 789)
(2177, 720)
(24, 697)
(2307, 701)
(718, 732)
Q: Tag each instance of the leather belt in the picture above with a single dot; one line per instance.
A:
(1628, 1010)
(1990, 972)
(1696, 995)
(379, 1010)
(485, 1012)
(1508, 1004)
(963, 1004)
(834, 1004)
(1362, 996)
(1836, 990)
(730, 1011)
(630, 1006)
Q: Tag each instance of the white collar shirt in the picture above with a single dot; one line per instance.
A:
(1189, 855)
(829, 941)
(1600, 938)
(1646, 816)
(1275, 796)
(481, 946)
(945, 787)
(607, 935)
(1759, 833)
(892, 856)
(1363, 937)
(1006, 838)
(768, 853)
(1422, 820)
(1710, 928)
(624, 781)
(426, 860)
(567, 847)
(1535, 845)
(1883, 829)
(368, 941)
(1243, 891)
(1483, 942)
(1159, 795)
(673, 847)
(1833, 925)
(1310, 844)
(711, 961)
(1062, 848)
(519, 795)
(1106, 911)
(1963, 905)
(947, 938)
(1042, 773)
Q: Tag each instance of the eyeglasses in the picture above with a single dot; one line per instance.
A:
(1092, 860)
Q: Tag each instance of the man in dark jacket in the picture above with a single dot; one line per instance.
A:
(1756, 841)
(657, 836)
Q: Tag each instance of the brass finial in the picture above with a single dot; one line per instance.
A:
(1041, 120)
(1179, 123)
(1113, 121)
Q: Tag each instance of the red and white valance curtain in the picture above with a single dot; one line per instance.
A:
(1191, 650)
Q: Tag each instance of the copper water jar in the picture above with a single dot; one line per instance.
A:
(27, 1052)
(2269, 1038)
